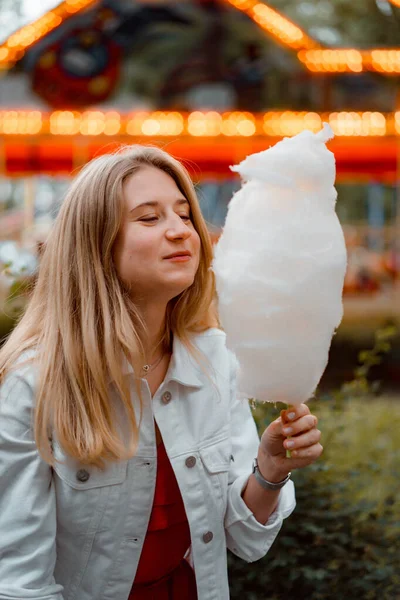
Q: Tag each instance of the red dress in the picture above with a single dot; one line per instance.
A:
(162, 573)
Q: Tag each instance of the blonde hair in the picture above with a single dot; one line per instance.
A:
(81, 321)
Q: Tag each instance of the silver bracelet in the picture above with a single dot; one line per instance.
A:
(268, 485)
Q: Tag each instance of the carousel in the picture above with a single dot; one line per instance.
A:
(195, 77)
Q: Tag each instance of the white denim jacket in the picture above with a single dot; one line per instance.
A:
(76, 532)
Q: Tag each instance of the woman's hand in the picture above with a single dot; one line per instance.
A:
(295, 430)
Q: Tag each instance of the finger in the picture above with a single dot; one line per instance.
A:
(312, 452)
(303, 441)
(276, 426)
(294, 412)
(303, 424)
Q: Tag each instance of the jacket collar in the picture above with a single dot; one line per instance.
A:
(183, 367)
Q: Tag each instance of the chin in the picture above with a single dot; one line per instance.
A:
(177, 288)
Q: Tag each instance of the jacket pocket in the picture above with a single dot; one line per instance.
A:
(84, 493)
(84, 477)
(216, 459)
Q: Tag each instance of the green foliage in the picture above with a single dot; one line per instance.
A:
(6, 325)
(343, 540)
(361, 384)
(358, 24)
(18, 289)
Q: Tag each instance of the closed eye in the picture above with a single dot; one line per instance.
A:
(152, 219)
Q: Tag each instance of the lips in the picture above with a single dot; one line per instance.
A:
(182, 253)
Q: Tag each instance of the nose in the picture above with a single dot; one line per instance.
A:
(177, 229)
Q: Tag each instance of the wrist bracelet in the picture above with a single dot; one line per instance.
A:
(268, 485)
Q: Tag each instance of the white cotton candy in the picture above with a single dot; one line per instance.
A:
(279, 265)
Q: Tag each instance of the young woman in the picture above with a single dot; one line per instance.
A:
(126, 457)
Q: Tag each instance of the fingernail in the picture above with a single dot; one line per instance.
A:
(289, 444)
(291, 416)
(287, 430)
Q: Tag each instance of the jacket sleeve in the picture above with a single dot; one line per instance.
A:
(27, 502)
(246, 537)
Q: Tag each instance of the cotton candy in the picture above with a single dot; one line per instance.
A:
(279, 266)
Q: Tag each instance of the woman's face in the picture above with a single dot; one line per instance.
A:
(157, 250)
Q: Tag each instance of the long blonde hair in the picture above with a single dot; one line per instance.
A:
(81, 321)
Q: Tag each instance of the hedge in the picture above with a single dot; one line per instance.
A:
(343, 540)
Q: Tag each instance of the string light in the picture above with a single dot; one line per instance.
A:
(316, 58)
(275, 24)
(199, 124)
(64, 122)
(112, 125)
(157, 123)
(290, 123)
(385, 61)
(238, 123)
(15, 122)
(15, 46)
(351, 60)
(214, 124)
(202, 124)
(358, 124)
(397, 122)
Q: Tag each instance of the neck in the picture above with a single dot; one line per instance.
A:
(154, 318)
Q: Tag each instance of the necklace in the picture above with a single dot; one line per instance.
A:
(148, 368)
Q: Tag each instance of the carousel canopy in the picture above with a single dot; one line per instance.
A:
(197, 75)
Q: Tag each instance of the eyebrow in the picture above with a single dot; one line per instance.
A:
(153, 203)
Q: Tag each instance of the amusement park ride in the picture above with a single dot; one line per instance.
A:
(73, 57)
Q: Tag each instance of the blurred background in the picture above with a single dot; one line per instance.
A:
(213, 81)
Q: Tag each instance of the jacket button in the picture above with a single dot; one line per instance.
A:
(207, 537)
(190, 461)
(82, 475)
(166, 397)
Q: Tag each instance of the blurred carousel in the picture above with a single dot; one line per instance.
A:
(205, 79)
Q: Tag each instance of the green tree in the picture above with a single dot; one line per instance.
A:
(345, 23)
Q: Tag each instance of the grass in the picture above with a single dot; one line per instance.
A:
(343, 539)
(361, 447)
